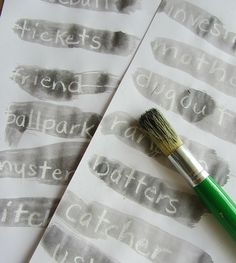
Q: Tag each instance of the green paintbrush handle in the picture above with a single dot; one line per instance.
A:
(218, 203)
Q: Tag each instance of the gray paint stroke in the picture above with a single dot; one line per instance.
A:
(27, 211)
(197, 63)
(66, 248)
(63, 85)
(58, 35)
(148, 190)
(53, 164)
(194, 106)
(97, 221)
(117, 6)
(202, 23)
(56, 120)
(127, 130)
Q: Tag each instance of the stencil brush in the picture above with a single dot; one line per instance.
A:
(211, 194)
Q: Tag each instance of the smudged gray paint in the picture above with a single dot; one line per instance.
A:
(62, 85)
(56, 120)
(118, 6)
(27, 212)
(127, 130)
(216, 166)
(149, 191)
(194, 106)
(201, 23)
(60, 35)
(199, 64)
(51, 164)
(63, 247)
(97, 221)
(199, 98)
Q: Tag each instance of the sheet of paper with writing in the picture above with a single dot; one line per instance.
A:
(61, 62)
(126, 203)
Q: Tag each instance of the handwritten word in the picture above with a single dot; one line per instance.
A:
(126, 129)
(63, 247)
(62, 84)
(60, 121)
(151, 192)
(75, 36)
(123, 6)
(201, 23)
(215, 72)
(195, 106)
(97, 221)
(52, 164)
(26, 212)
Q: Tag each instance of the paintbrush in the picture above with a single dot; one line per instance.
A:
(210, 193)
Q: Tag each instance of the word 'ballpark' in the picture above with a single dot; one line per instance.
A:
(60, 121)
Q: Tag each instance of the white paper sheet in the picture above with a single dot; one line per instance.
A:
(61, 62)
(125, 202)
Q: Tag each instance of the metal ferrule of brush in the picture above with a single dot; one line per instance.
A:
(188, 166)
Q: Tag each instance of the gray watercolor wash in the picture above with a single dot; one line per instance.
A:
(194, 106)
(62, 85)
(149, 191)
(56, 120)
(216, 166)
(196, 62)
(201, 23)
(52, 164)
(118, 6)
(98, 221)
(27, 212)
(66, 248)
(201, 100)
(127, 130)
(60, 35)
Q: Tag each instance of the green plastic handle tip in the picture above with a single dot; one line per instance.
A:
(218, 203)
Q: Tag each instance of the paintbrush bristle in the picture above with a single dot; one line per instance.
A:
(163, 135)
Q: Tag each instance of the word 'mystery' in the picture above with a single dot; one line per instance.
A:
(97, 221)
(26, 212)
(55, 120)
(54, 84)
(149, 191)
(63, 247)
(126, 129)
(59, 35)
(199, 64)
(51, 164)
(122, 6)
(195, 106)
(202, 23)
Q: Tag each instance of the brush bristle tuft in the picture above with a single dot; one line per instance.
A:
(165, 137)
